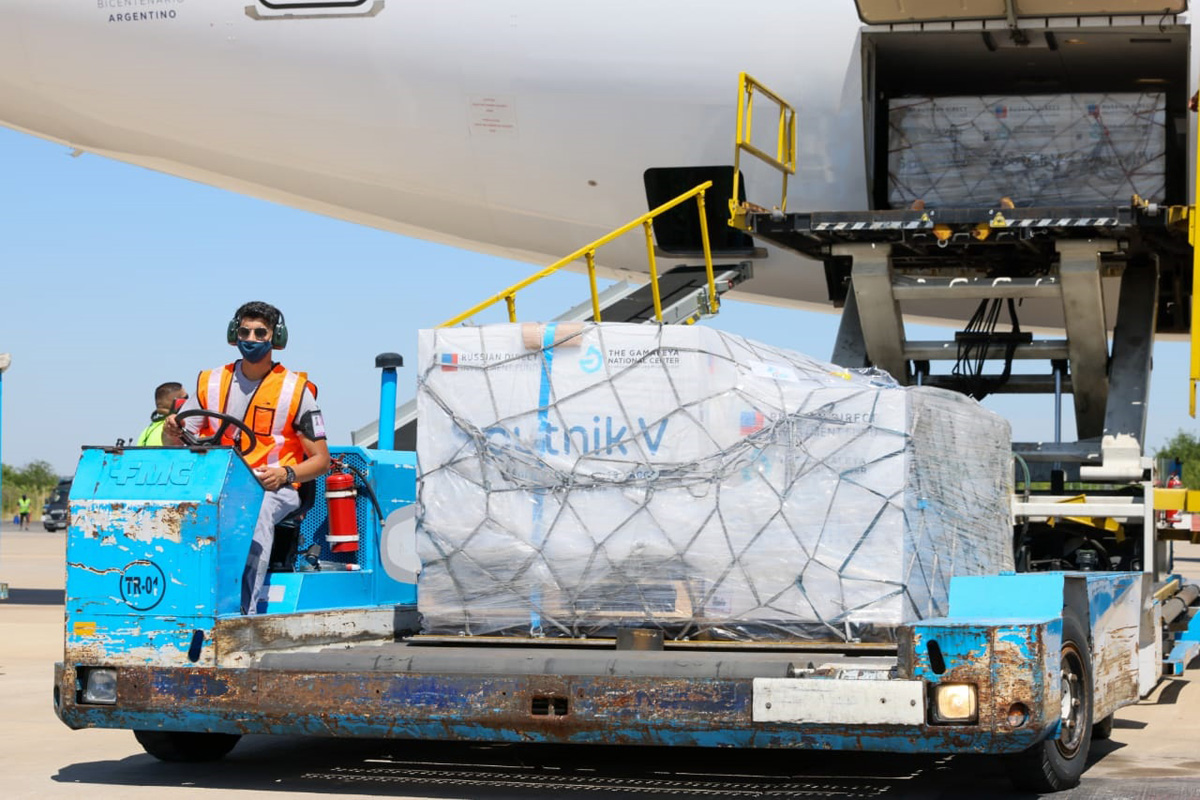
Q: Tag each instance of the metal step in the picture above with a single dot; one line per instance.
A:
(683, 293)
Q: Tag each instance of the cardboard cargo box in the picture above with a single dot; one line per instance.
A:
(581, 478)
(1038, 150)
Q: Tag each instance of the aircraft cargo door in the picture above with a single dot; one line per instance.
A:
(890, 12)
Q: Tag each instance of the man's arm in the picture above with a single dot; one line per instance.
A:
(171, 428)
(316, 461)
(170, 432)
(314, 465)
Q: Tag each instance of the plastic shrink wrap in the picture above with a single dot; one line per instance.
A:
(1037, 150)
(575, 479)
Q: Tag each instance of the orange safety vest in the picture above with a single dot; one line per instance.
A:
(269, 414)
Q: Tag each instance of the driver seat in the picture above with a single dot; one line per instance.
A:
(285, 548)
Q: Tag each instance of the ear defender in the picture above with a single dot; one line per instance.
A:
(279, 338)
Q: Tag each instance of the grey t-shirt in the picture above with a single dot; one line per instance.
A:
(308, 421)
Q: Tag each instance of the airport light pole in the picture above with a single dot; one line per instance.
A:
(5, 360)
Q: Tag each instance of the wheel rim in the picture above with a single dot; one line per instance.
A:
(1073, 711)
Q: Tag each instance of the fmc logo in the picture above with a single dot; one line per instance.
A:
(150, 472)
(142, 585)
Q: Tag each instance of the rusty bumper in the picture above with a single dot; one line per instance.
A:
(646, 709)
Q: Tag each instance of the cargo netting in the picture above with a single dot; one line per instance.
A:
(1036, 150)
(576, 479)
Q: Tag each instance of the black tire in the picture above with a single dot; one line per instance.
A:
(186, 746)
(1103, 728)
(1056, 764)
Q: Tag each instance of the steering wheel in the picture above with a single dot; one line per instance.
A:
(192, 440)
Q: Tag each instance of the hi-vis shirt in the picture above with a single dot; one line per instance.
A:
(281, 405)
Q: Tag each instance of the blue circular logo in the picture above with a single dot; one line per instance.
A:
(592, 360)
(142, 585)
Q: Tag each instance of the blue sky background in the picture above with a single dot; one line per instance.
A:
(116, 278)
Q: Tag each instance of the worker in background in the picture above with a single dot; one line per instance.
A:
(280, 407)
(23, 510)
(168, 398)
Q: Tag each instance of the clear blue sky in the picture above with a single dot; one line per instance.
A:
(116, 279)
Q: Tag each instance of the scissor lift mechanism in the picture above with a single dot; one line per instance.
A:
(876, 260)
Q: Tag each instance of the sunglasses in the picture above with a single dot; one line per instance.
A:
(258, 333)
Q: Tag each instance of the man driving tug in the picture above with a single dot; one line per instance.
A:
(269, 414)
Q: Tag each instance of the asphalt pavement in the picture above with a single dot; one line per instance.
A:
(1154, 751)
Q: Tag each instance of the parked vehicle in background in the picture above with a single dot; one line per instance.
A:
(54, 513)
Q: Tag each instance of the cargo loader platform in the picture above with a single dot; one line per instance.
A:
(998, 256)
(1019, 241)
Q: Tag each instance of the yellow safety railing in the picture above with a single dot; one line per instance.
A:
(1194, 239)
(588, 253)
(784, 159)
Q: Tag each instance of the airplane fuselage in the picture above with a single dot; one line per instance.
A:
(520, 129)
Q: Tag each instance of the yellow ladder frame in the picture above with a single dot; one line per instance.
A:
(784, 159)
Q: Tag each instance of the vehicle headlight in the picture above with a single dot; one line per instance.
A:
(955, 702)
(100, 686)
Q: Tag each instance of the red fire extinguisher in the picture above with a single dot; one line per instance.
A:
(340, 494)
(1173, 515)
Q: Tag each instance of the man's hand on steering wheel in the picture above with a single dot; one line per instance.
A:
(245, 444)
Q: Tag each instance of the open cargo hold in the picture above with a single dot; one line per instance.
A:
(580, 478)
(1066, 112)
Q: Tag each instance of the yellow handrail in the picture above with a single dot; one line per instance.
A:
(784, 159)
(1194, 240)
(588, 252)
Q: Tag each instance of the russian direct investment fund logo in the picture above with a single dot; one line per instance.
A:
(751, 422)
(448, 362)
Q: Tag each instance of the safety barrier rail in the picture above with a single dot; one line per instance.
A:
(784, 159)
(588, 252)
(1177, 499)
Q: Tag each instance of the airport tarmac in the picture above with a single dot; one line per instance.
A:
(1154, 752)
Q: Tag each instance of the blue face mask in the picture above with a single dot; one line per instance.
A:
(253, 352)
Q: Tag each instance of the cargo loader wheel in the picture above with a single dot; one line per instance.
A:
(1056, 764)
(245, 445)
(187, 746)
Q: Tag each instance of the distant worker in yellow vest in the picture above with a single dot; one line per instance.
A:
(23, 510)
(280, 407)
(168, 398)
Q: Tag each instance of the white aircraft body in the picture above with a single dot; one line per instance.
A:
(523, 128)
